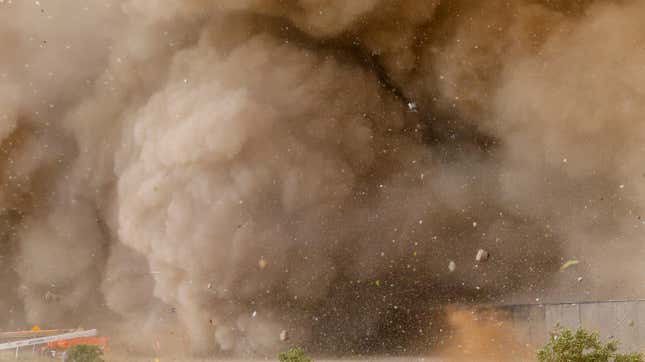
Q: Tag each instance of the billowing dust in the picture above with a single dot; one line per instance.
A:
(483, 335)
(204, 175)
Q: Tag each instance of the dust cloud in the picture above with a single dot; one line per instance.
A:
(483, 335)
(203, 175)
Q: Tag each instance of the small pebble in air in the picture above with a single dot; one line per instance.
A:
(482, 255)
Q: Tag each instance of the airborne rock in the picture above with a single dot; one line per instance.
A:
(482, 255)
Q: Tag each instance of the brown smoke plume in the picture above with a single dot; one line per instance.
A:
(211, 173)
(482, 335)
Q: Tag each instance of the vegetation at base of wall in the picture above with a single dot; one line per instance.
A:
(294, 355)
(582, 346)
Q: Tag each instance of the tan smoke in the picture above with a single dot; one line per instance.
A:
(212, 173)
(482, 335)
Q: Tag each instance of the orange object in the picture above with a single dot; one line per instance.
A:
(101, 342)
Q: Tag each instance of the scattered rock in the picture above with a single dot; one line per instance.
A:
(284, 335)
(452, 266)
(482, 255)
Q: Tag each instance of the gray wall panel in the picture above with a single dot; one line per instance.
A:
(623, 320)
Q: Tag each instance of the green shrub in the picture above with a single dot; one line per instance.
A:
(582, 346)
(294, 355)
(84, 353)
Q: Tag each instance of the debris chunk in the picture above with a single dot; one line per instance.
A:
(569, 264)
(452, 266)
(482, 255)
(284, 335)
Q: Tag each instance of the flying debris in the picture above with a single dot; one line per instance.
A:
(569, 263)
(284, 335)
(482, 255)
(452, 266)
(165, 166)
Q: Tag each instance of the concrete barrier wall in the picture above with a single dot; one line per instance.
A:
(623, 320)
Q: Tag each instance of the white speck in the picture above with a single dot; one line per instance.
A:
(412, 106)
(474, 224)
(452, 266)
(420, 222)
(621, 186)
(579, 279)
(564, 160)
(482, 255)
(254, 314)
